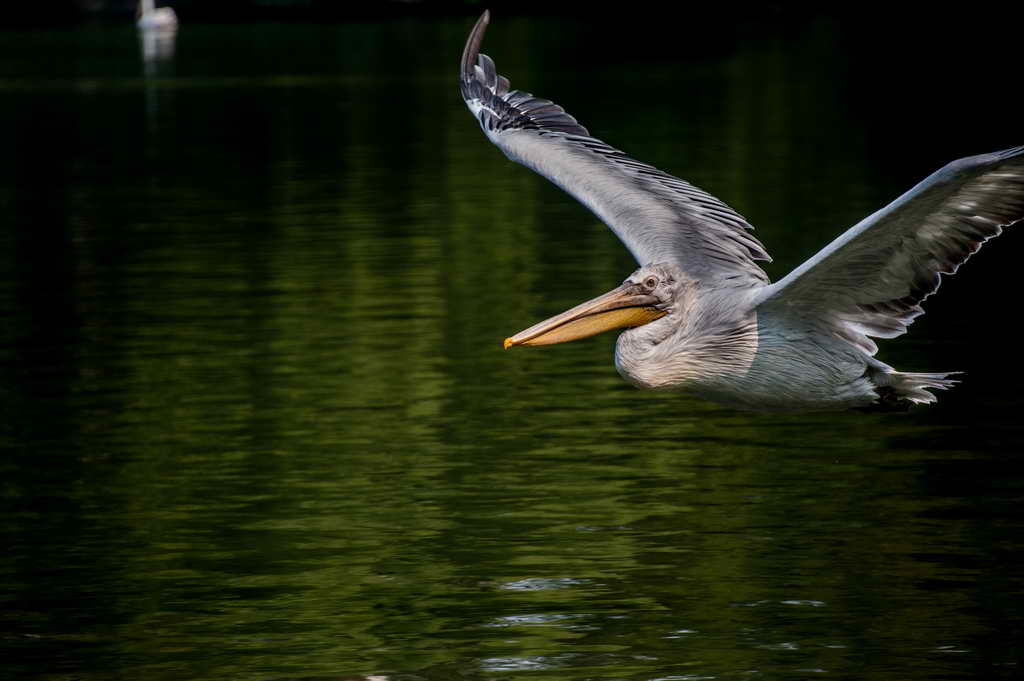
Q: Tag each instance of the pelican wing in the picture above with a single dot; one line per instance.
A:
(659, 218)
(872, 280)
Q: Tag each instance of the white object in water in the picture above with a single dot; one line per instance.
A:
(150, 17)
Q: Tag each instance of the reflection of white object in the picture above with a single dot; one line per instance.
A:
(157, 43)
(151, 17)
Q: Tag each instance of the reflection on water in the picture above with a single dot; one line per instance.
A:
(157, 45)
(257, 421)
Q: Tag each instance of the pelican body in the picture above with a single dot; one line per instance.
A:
(700, 315)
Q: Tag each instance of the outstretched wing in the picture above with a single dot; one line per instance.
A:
(659, 218)
(872, 279)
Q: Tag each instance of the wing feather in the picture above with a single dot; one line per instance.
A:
(872, 280)
(659, 218)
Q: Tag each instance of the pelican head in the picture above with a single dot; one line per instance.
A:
(645, 296)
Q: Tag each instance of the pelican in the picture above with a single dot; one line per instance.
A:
(700, 315)
(149, 17)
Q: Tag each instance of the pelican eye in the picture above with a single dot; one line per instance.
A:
(651, 283)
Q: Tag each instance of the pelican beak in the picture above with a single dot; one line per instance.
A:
(627, 306)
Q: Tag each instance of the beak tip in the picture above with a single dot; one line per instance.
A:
(507, 343)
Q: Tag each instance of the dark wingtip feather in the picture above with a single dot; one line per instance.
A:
(1010, 153)
(472, 49)
(506, 108)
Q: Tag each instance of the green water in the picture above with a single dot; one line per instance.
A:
(257, 422)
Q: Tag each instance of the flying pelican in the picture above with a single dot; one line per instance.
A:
(700, 315)
(149, 17)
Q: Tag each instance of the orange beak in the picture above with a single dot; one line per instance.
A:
(624, 307)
